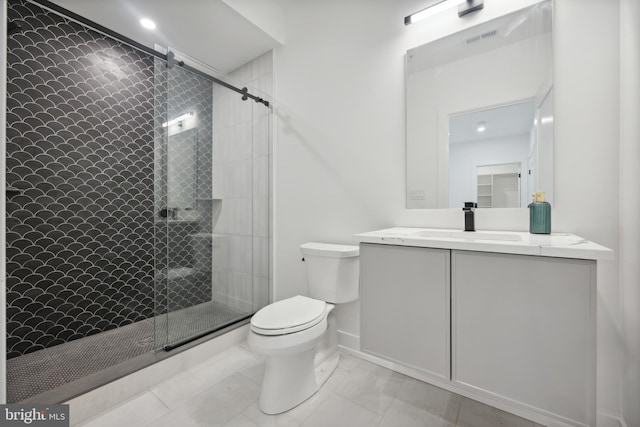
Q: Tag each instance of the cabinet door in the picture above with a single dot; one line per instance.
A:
(405, 306)
(523, 329)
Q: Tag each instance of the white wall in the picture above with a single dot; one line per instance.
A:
(340, 159)
(465, 157)
(630, 206)
(586, 75)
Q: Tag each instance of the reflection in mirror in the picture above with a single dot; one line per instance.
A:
(497, 76)
(488, 156)
(181, 168)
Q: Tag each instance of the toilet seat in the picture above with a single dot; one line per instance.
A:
(288, 316)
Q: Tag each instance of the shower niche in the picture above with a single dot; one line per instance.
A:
(140, 220)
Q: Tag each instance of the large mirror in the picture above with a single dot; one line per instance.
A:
(480, 114)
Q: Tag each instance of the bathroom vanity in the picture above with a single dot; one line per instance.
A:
(506, 318)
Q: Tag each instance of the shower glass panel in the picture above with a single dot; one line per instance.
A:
(208, 247)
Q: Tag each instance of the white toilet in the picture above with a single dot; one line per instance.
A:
(299, 335)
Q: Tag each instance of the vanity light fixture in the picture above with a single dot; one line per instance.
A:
(465, 7)
(177, 119)
(148, 23)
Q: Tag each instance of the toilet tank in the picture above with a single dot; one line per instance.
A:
(332, 271)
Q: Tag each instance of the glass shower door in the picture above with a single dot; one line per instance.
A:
(210, 244)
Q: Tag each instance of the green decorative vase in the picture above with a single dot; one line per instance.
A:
(539, 215)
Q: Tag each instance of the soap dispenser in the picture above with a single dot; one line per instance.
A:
(539, 214)
(469, 219)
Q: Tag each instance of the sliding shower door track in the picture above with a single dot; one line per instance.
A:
(180, 343)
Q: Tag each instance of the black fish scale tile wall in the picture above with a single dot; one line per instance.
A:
(80, 146)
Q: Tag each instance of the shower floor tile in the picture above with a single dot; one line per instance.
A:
(30, 374)
(47, 369)
(86, 356)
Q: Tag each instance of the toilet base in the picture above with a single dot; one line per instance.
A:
(289, 380)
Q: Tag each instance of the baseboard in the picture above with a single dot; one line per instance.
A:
(349, 342)
(609, 420)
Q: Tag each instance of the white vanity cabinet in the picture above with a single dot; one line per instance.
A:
(523, 330)
(514, 328)
(404, 306)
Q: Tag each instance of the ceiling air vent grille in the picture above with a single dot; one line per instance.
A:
(482, 36)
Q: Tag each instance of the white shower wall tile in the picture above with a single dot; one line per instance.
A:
(270, 221)
(228, 289)
(269, 161)
(244, 110)
(220, 226)
(222, 146)
(220, 286)
(261, 257)
(261, 217)
(219, 180)
(219, 92)
(238, 181)
(260, 292)
(238, 213)
(240, 254)
(221, 102)
(242, 176)
(220, 252)
(261, 177)
(241, 144)
(261, 136)
(240, 291)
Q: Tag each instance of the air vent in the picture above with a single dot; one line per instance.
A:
(489, 34)
(473, 39)
(482, 36)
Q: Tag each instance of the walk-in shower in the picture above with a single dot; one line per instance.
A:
(139, 219)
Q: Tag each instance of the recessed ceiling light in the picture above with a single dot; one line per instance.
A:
(148, 23)
(481, 127)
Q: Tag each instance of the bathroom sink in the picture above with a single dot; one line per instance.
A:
(559, 245)
(468, 235)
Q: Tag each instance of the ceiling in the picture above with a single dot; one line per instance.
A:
(499, 122)
(208, 30)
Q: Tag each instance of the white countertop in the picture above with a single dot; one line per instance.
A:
(560, 245)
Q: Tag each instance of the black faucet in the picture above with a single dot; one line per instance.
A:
(469, 220)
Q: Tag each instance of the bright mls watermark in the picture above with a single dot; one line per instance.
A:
(34, 415)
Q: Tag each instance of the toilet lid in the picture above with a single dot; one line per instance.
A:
(288, 315)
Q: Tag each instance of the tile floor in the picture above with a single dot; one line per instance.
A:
(224, 390)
